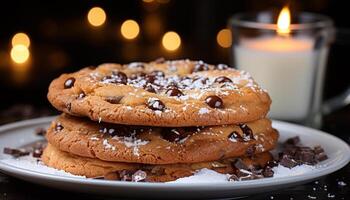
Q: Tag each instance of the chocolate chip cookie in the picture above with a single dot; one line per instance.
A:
(160, 145)
(95, 168)
(161, 93)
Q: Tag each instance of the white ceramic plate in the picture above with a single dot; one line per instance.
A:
(21, 133)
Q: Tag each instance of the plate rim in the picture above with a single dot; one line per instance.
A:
(6, 168)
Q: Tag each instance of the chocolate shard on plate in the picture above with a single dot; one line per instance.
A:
(16, 152)
(288, 161)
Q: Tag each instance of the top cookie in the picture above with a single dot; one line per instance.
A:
(161, 93)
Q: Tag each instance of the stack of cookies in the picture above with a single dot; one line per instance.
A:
(159, 121)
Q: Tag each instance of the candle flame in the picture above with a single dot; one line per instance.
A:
(283, 21)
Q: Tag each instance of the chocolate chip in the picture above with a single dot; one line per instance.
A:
(247, 132)
(157, 73)
(69, 83)
(155, 104)
(267, 172)
(149, 88)
(235, 137)
(40, 131)
(139, 176)
(287, 161)
(37, 152)
(201, 67)
(221, 66)
(214, 101)
(58, 127)
(150, 78)
(114, 99)
(292, 141)
(321, 157)
(175, 134)
(119, 77)
(174, 92)
(16, 152)
(272, 163)
(318, 149)
(223, 79)
(305, 155)
(126, 175)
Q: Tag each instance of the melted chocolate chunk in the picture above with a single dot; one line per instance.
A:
(223, 79)
(201, 67)
(247, 132)
(58, 127)
(174, 92)
(69, 83)
(114, 99)
(16, 152)
(119, 77)
(235, 137)
(156, 104)
(150, 78)
(139, 176)
(149, 88)
(118, 130)
(175, 134)
(305, 155)
(214, 101)
(272, 163)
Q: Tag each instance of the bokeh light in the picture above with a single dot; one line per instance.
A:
(19, 53)
(130, 29)
(224, 38)
(171, 41)
(20, 38)
(96, 16)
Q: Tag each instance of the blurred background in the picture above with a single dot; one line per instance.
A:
(39, 40)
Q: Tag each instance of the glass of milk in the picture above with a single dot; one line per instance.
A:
(287, 56)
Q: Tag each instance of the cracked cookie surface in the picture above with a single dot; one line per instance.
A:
(160, 145)
(161, 93)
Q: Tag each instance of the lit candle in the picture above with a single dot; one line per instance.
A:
(284, 65)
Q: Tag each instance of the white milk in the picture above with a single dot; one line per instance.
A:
(285, 67)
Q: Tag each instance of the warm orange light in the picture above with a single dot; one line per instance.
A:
(283, 21)
(20, 38)
(19, 53)
(171, 41)
(130, 29)
(96, 16)
(224, 38)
